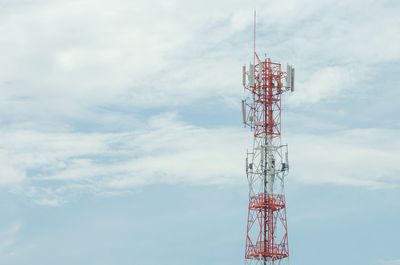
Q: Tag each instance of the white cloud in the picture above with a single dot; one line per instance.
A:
(57, 167)
(11, 174)
(64, 62)
(329, 82)
(355, 157)
(63, 58)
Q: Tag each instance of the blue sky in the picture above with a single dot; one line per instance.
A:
(121, 135)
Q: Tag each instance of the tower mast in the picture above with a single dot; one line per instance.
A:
(267, 164)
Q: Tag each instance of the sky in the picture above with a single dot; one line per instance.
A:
(122, 140)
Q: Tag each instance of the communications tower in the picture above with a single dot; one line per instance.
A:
(267, 163)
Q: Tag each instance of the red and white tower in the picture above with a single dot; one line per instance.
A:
(267, 163)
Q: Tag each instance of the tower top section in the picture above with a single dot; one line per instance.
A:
(266, 82)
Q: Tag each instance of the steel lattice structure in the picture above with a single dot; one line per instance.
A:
(267, 164)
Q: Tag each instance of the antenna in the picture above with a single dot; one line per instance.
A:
(290, 77)
(244, 112)
(254, 38)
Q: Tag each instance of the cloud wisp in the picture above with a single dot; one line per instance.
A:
(52, 168)
(354, 157)
(8, 240)
(47, 166)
